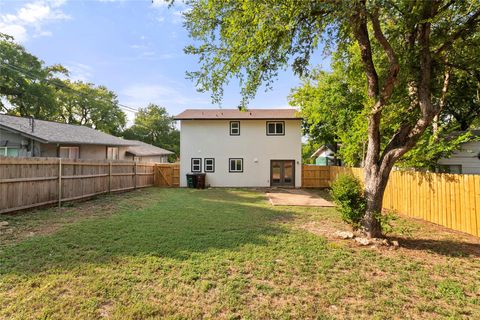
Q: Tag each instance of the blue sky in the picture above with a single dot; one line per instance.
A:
(135, 48)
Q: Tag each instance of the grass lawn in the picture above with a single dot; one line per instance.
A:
(227, 254)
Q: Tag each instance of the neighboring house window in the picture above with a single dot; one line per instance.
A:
(275, 128)
(209, 165)
(112, 153)
(69, 152)
(234, 128)
(8, 152)
(235, 165)
(196, 165)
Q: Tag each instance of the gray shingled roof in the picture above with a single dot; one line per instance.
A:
(54, 132)
(142, 149)
(235, 114)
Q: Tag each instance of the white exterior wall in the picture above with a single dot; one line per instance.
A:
(467, 157)
(211, 139)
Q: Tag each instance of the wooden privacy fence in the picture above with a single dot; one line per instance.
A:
(167, 175)
(450, 200)
(315, 176)
(32, 182)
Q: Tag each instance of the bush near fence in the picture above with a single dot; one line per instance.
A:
(450, 200)
(32, 182)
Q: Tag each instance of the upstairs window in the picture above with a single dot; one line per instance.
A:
(235, 165)
(69, 152)
(209, 165)
(112, 153)
(234, 128)
(196, 165)
(275, 128)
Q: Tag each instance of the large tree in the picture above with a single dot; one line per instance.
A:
(25, 81)
(406, 49)
(155, 126)
(89, 105)
(33, 89)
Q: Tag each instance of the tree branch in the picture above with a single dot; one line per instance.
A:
(359, 21)
(394, 68)
(464, 30)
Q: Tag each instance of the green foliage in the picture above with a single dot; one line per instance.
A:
(386, 221)
(430, 148)
(347, 192)
(89, 105)
(22, 81)
(252, 40)
(45, 92)
(307, 150)
(330, 104)
(155, 126)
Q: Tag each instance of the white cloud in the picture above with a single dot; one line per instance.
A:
(174, 12)
(139, 95)
(31, 18)
(79, 71)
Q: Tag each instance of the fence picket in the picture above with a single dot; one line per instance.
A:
(451, 200)
(31, 182)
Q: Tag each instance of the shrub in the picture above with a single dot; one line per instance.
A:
(347, 192)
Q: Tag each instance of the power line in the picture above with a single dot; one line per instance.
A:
(56, 84)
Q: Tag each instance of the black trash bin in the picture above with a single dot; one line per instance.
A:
(201, 180)
(191, 180)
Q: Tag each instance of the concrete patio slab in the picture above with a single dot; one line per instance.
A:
(296, 197)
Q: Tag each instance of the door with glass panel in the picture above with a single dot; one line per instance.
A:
(282, 173)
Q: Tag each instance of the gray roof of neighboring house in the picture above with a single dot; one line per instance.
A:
(62, 133)
(235, 114)
(142, 149)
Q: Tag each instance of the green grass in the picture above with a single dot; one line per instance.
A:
(219, 253)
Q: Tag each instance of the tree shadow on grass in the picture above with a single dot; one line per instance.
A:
(450, 248)
(181, 223)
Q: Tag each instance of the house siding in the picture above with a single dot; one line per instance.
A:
(212, 139)
(467, 157)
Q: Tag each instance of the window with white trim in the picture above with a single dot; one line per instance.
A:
(275, 128)
(69, 152)
(8, 152)
(196, 164)
(235, 165)
(112, 153)
(234, 128)
(209, 165)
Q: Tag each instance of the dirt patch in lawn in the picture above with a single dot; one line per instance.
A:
(296, 197)
(418, 239)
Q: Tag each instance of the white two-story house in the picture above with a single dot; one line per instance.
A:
(254, 148)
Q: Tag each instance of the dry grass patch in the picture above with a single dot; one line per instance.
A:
(225, 254)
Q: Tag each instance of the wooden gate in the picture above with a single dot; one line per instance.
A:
(167, 175)
(315, 176)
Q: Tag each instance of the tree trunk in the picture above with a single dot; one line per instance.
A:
(375, 184)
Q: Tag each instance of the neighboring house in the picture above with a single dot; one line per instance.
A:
(466, 160)
(254, 148)
(144, 152)
(324, 156)
(28, 137)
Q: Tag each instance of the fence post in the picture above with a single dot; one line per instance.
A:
(59, 182)
(109, 176)
(135, 175)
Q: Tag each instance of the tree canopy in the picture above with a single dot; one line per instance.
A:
(33, 89)
(155, 126)
(406, 50)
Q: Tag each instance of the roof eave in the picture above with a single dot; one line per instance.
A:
(235, 118)
(23, 133)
